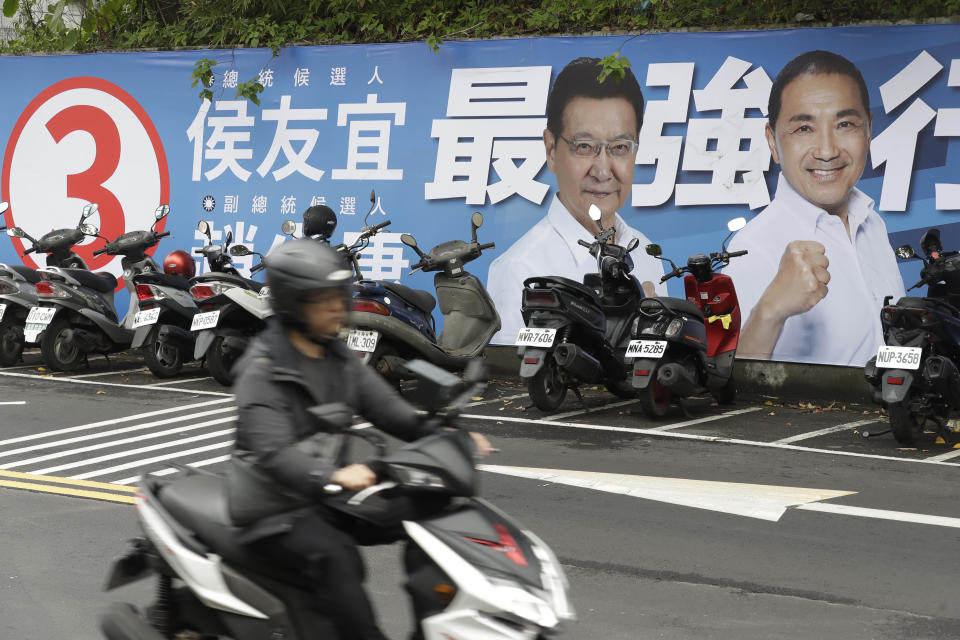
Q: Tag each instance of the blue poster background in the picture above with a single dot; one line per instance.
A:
(410, 74)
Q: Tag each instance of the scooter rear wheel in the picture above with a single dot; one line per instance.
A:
(904, 425)
(655, 399)
(164, 359)
(220, 360)
(59, 353)
(545, 387)
(10, 348)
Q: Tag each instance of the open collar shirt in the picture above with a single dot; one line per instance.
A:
(844, 327)
(550, 248)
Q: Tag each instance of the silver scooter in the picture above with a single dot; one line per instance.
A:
(77, 315)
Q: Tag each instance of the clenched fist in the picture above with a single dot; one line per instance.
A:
(354, 477)
(801, 280)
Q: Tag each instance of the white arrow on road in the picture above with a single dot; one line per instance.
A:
(766, 502)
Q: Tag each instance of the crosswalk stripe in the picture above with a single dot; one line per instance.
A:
(141, 463)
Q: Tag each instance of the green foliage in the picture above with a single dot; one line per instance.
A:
(613, 65)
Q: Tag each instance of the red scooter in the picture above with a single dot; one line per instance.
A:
(686, 347)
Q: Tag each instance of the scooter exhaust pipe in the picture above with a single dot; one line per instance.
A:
(677, 378)
(176, 336)
(578, 363)
(943, 376)
(86, 341)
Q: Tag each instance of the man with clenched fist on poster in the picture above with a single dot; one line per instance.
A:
(819, 262)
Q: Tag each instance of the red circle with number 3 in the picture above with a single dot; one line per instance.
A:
(83, 140)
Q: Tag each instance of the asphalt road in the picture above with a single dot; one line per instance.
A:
(695, 526)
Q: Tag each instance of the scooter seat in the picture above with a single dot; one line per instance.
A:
(97, 280)
(420, 299)
(674, 304)
(215, 276)
(163, 280)
(199, 503)
(927, 303)
(30, 275)
(543, 282)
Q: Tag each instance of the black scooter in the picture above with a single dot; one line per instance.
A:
(577, 333)
(915, 374)
(18, 293)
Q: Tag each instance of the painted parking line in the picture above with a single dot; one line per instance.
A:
(15, 402)
(182, 381)
(115, 372)
(944, 456)
(701, 438)
(113, 384)
(827, 430)
(612, 405)
(690, 423)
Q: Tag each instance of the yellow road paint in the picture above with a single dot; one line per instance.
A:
(67, 491)
(80, 483)
(51, 484)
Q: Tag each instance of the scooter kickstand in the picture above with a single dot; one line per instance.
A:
(576, 392)
(683, 403)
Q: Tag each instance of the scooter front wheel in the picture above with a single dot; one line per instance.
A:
(546, 389)
(10, 347)
(655, 399)
(905, 426)
(164, 359)
(220, 360)
(122, 621)
(60, 353)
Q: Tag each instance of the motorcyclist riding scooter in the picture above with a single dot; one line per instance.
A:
(295, 363)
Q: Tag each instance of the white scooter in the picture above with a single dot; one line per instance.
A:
(472, 572)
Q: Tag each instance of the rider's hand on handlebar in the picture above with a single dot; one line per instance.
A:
(484, 448)
(354, 477)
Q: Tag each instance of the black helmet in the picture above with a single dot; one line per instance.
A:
(299, 267)
(319, 220)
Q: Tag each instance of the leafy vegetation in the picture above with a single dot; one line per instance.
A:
(96, 25)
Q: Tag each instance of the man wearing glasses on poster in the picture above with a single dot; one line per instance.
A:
(591, 146)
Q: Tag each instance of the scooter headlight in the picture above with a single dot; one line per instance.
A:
(674, 327)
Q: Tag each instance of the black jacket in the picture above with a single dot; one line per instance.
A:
(273, 397)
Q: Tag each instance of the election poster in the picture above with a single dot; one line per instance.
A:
(436, 137)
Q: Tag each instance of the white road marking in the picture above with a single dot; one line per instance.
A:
(131, 452)
(103, 423)
(15, 402)
(612, 405)
(827, 430)
(765, 502)
(690, 423)
(113, 384)
(883, 514)
(141, 463)
(132, 480)
(101, 445)
(117, 372)
(693, 436)
(183, 381)
(492, 400)
(949, 455)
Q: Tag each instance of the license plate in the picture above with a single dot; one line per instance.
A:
(206, 320)
(646, 348)
(363, 340)
(32, 330)
(528, 337)
(3, 308)
(145, 317)
(899, 357)
(41, 315)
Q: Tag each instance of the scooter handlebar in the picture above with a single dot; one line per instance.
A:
(584, 243)
(163, 235)
(259, 267)
(100, 252)
(489, 245)
(30, 250)
(734, 254)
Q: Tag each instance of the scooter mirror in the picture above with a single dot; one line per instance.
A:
(476, 220)
(204, 228)
(289, 227)
(16, 232)
(930, 241)
(632, 244)
(89, 230)
(4, 206)
(654, 250)
(373, 196)
(594, 213)
(89, 210)
(161, 211)
(736, 224)
(408, 240)
(905, 252)
(238, 250)
(228, 239)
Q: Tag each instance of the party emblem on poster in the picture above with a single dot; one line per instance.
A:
(83, 140)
